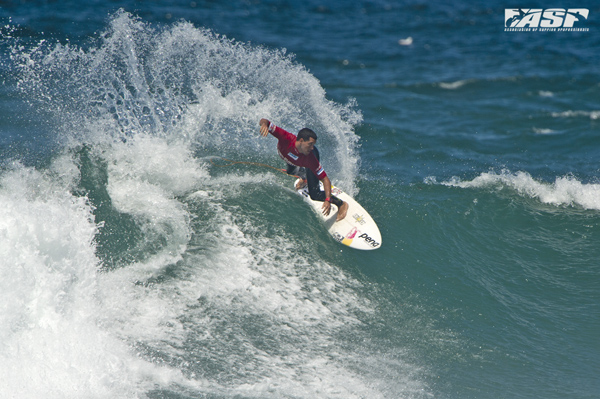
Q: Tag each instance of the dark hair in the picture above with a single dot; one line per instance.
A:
(306, 134)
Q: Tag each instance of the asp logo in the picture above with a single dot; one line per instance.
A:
(549, 19)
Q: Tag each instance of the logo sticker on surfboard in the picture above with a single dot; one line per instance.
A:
(350, 236)
(359, 218)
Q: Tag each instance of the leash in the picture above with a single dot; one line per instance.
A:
(264, 165)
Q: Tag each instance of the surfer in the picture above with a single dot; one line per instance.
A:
(302, 156)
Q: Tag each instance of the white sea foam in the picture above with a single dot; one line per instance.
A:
(145, 176)
(564, 191)
(52, 343)
(543, 131)
(294, 306)
(216, 303)
(593, 115)
(191, 84)
(455, 85)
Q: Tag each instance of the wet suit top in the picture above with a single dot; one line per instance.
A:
(286, 146)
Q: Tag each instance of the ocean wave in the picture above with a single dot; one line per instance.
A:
(564, 191)
(537, 130)
(593, 115)
(455, 85)
(54, 344)
(184, 83)
(131, 267)
(545, 93)
(209, 275)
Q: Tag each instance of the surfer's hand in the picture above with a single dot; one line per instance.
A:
(326, 208)
(264, 127)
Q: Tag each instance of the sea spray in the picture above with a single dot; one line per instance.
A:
(184, 83)
(169, 278)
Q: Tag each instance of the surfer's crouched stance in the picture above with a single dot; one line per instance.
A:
(301, 156)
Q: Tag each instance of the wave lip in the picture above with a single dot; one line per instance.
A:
(183, 83)
(564, 191)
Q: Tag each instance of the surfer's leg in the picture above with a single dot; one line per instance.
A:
(314, 189)
(336, 201)
(316, 194)
(297, 171)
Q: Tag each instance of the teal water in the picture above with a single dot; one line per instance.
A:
(133, 266)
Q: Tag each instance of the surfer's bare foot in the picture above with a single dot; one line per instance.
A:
(342, 211)
(301, 184)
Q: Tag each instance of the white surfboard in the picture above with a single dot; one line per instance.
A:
(357, 230)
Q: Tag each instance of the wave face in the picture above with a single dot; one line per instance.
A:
(133, 267)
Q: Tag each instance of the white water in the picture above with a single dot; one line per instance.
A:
(564, 191)
(222, 307)
(189, 85)
(53, 343)
(218, 305)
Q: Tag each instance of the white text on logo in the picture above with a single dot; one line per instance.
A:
(520, 18)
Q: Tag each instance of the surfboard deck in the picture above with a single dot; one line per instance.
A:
(357, 230)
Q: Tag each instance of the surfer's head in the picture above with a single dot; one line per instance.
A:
(305, 141)
(305, 134)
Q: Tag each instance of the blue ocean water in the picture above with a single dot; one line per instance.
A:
(134, 266)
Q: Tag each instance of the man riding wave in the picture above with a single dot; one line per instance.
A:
(301, 155)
